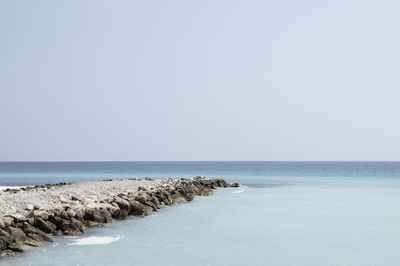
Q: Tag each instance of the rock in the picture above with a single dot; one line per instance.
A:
(46, 226)
(36, 234)
(5, 237)
(64, 199)
(177, 197)
(94, 215)
(19, 217)
(3, 245)
(122, 204)
(19, 247)
(76, 198)
(139, 209)
(92, 224)
(76, 227)
(9, 253)
(7, 221)
(57, 233)
(70, 226)
(40, 237)
(40, 214)
(16, 234)
(71, 213)
(31, 242)
(123, 214)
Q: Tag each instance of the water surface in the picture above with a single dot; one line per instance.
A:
(288, 213)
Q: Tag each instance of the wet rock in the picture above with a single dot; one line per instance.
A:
(19, 247)
(92, 224)
(31, 242)
(123, 214)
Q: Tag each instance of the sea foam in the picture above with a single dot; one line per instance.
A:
(241, 189)
(95, 240)
(5, 187)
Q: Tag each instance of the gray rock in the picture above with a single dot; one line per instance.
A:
(7, 221)
(19, 247)
(40, 214)
(5, 237)
(31, 242)
(16, 234)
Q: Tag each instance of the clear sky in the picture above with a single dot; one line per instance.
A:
(200, 80)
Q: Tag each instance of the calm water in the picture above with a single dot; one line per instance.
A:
(288, 213)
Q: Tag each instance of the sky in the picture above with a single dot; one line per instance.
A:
(291, 80)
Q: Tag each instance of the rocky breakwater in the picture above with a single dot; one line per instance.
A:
(30, 216)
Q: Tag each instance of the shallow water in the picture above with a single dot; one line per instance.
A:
(321, 214)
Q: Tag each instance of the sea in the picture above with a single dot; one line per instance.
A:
(284, 213)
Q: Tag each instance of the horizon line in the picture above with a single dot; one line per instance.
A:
(93, 161)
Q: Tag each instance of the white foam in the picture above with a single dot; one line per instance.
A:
(12, 187)
(95, 240)
(241, 189)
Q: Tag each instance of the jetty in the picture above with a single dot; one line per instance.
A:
(30, 216)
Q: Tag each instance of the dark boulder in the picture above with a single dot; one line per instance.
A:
(98, 215)
(139, 209)
(122, 203)
(69, 226)
(46, 226)
(93, 215)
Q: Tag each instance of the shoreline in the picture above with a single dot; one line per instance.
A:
(30, 215)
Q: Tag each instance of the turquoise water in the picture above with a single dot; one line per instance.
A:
(293, 213)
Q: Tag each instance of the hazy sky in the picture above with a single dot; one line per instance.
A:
(200, 80)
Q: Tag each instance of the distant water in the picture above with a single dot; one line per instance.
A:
(286, 213)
